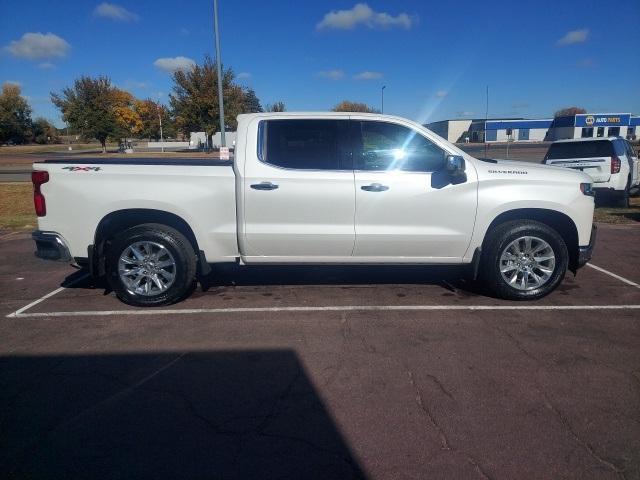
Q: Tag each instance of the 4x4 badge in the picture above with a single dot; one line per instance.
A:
(82, 169)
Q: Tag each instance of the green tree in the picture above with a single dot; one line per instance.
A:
(194, 100)
(150, 113)
(251, 102)
(89, 106)
(43, 131)
(15, 115)
(569, 111)
(276, 107)
(347, 106)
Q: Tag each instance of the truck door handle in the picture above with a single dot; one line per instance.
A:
(375, 187)
(264, 186)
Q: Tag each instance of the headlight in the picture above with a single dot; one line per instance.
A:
(587, 189)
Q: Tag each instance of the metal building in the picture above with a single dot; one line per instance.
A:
(588, 125)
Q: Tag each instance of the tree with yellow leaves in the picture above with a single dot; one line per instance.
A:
(127, 118)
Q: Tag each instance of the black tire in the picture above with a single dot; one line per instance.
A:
(171, 239)
(622, 198)
(499, 239)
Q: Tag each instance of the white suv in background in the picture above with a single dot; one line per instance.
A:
(612, 163)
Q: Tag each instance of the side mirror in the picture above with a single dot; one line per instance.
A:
(455, 165)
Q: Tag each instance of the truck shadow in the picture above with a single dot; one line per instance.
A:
(452, 278)
(222, 414)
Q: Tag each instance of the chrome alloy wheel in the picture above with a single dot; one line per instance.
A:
(147, 268)
(527, 263)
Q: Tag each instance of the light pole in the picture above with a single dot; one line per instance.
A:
(382, 92)
(219, 67)
(160, 119)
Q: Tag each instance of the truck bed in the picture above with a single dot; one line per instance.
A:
(81, 192)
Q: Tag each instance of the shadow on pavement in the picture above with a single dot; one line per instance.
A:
(223, 275)
(228, 414)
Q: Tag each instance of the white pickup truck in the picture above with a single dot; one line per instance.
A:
(612, 164)
(315, 188)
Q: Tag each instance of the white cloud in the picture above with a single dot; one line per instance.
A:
(331, 74)
(367, 75)
(13, 82)
(173, 64)
(243, 75)
(441, 93)
(114, 12)
(184, 31)
(46, 65)
(38, 45)
(574, 36)
(363, 14)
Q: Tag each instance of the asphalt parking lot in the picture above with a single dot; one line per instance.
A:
(321, 372)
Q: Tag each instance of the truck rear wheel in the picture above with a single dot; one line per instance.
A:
(523, 260)
(622, 198)
(150, 265)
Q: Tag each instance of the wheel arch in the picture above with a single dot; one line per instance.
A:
(560, 222)
(120, 220)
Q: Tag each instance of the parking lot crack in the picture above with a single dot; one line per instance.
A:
(445, 443)
(564, 421)
(345, 333)
(569, 428)
(440, 385)
(420, 401)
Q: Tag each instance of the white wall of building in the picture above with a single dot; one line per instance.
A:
(451, 130)
(456, 129)
(230, 138)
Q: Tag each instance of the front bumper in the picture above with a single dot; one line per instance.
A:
(51, 246)
(584, 253)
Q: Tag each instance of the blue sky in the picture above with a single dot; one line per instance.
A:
(435, 58)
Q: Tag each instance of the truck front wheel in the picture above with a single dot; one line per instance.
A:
(523, 260)
(150, 265)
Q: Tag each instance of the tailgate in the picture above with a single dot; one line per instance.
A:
(599, 169)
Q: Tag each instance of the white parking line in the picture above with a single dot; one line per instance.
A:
(611, 274)
(329, 308)
(345, 308)
(48, 295)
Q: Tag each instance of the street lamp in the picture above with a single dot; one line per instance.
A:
(382, 91)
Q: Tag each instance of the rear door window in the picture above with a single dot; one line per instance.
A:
(630, 151)
(602, 148)
(305, 144)
(620, 147)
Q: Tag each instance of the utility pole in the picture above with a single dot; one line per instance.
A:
(223, 142)
(486, 118)
(382, 91)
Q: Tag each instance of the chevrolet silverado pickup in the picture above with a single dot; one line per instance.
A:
(315, 188)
